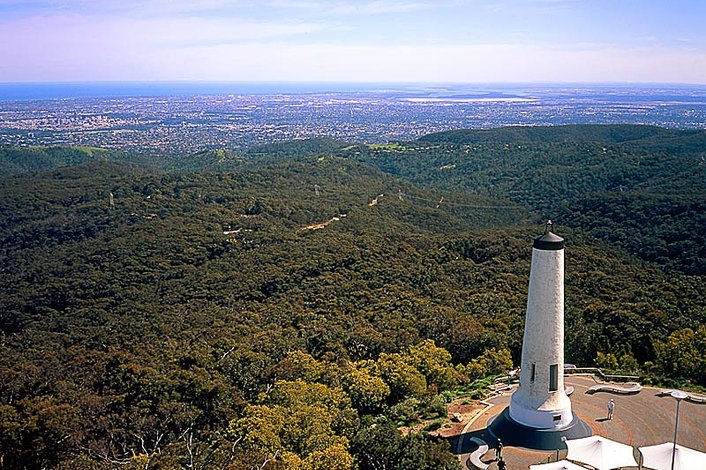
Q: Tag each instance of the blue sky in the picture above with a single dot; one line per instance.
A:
(354, 41)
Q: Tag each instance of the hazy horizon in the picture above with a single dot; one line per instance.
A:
(113, 89)
(367, 41)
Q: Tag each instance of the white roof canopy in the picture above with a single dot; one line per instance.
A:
(560, 465)
(659, 457)
(601, 453)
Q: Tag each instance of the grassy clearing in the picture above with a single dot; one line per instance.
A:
(389, 146)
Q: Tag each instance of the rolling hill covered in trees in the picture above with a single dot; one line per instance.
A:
(640, 188)
(300, 302)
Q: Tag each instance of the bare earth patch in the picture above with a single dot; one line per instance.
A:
(466, 409)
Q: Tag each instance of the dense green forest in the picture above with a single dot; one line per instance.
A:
(14, 160)
(640, 188)
(296, 304)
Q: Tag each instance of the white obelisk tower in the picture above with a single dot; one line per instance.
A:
(539, 415)
(541, 401)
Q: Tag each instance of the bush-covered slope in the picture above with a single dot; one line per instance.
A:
(167, 313)
(582, 176)
(15, 160)
(166, 328)
(297, 148)
(207, 160)
(282, 305)
(645, 137)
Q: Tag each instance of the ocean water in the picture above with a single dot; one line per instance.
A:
(602, 91)
(46, 91)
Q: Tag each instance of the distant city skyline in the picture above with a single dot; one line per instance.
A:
(173, 118)
(465, 41)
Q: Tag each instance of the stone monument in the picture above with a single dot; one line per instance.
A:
(540, 415)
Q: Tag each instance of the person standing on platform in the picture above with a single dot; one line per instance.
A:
(611, 408)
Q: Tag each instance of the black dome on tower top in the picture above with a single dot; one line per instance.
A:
(548, 241)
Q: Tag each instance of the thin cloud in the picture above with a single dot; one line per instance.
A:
(207, 7)
(108, 35)
(416, 40)
(351, 8)
(489, 63)
(535, 6)
(552, 1)
(285, 61)
(128, 8)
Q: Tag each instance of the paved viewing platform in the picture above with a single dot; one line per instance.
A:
(640, 419)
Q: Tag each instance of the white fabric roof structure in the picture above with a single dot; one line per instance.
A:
(600, 452)
(659, 457)
(560, 465)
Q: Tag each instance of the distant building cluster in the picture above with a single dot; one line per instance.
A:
(192, 123)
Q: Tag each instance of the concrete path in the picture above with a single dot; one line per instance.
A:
(640, 420)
